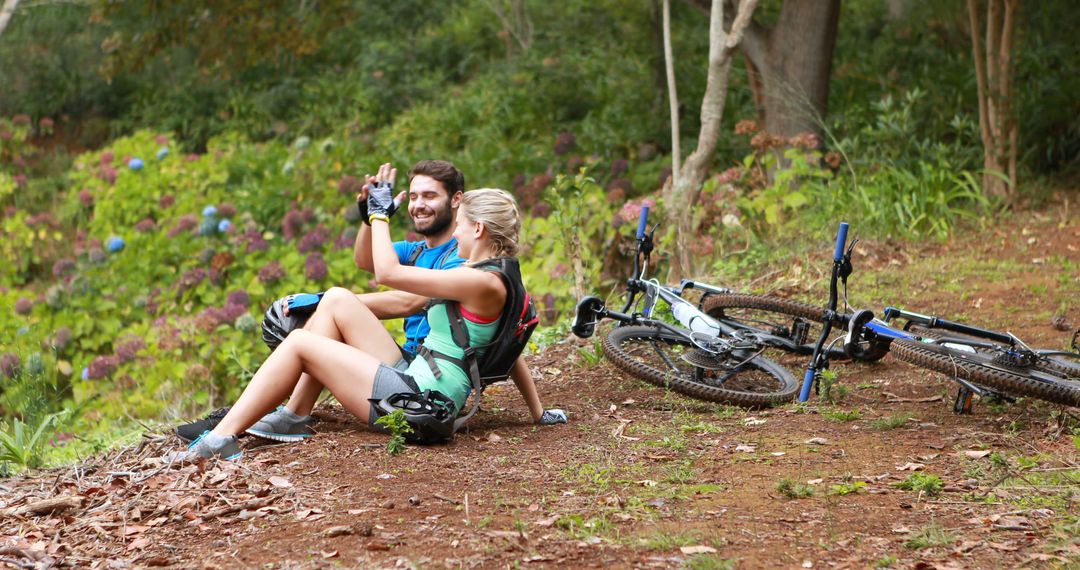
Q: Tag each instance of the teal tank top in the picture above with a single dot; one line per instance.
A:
(454, 382)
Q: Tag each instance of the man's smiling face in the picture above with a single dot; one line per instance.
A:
(430, 207)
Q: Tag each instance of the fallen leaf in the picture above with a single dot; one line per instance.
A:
(279, 482)
(1005, 546)
(700, 549)
(138, 543)
(816, 441)
(328, 555)
(746, 448)
(629, 402)
(647, 483)
(135, 529)
(977, 453)
(778, 453)
(534, 507)
(753, 422)
(909, 466)
(815, 481)
(901, 529)
(494, 437)
(546, 522)
(341, 530)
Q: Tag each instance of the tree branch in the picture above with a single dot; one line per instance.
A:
(673, 98)
(6, 12)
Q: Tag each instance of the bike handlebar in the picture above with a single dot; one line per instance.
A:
(841, 238)
(642, 222)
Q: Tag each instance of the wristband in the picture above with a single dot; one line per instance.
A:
(382, 217)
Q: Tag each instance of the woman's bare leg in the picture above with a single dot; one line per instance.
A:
(346, 371)
(342, 317)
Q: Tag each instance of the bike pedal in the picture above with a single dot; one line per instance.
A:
(965, 401)
(800, 330)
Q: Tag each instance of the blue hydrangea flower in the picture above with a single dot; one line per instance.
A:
(135, 164)
(224, 225)
(86, 373)
(209, 211)
(162, 153)
(114, 244)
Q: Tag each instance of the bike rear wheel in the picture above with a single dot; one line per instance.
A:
(798, 322)
(671, 360)
(981, 369)
(1066, 365)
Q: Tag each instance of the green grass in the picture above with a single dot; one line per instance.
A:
(838, 415)
(792, 489)
(930, 536)
(709, 562)
(894, 421)
(923, 483)
(847, 488)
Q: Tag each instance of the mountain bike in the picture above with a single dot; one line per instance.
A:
(699, 357)
(984, 362)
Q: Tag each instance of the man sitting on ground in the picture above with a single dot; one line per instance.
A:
(435, 190)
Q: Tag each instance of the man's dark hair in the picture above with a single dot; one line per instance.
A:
(443, 172)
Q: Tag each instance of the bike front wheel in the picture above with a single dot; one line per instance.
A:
(670, 360)
(981, 368)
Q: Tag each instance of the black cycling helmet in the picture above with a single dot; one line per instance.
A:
(276, 325)
(430, 414)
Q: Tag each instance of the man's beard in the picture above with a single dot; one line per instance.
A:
(439, 223)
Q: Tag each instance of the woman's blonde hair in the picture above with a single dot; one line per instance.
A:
(498, 211)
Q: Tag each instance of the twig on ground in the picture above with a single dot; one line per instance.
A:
(44, 506)
(246, 505)
(447, 499)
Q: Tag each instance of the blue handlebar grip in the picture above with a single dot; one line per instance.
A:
(808, 381)
(642, 221)
(841, 238)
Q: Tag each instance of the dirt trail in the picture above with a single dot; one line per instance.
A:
(639, 478)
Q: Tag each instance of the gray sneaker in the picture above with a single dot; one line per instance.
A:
(283, 425)
(211, 445)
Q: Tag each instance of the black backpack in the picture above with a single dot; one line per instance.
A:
(517, 322)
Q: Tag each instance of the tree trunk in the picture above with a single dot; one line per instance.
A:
(795, 62)
(998, 126)
(6, 12)
(681, 193)
(673, 97)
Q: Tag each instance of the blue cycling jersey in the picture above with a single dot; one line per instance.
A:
(416, 326)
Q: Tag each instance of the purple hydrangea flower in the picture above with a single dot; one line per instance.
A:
(23, 306)
(63, 267)
(352, 214)
(350, 186)
(226, 210)
(186, 223)
(127, 351)
(315, 267)
(166, 201)
(190, 278)
(313, 240)
(162, 139)
(255, 241)
(98, 255)
(291, 224)
(240, 297)
(107, 158)
(61, 338)
(102, 367)
(145, 225)
(271, 273)
(619, 166)
(86, 198)
(347, 239)
(10, 364)
(564, 142)
(231, 312)
(107, 174)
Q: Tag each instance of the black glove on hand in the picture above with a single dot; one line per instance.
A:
(361, 204)
(380, 200)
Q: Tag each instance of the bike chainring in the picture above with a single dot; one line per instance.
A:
(800, 330)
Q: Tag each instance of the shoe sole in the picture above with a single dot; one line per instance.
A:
(284, 438)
